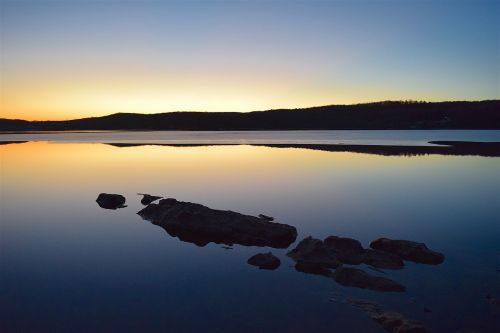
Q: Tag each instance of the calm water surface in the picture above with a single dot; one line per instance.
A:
(67, 265)
(383, 137)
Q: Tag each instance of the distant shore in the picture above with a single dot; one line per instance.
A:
(371, 116)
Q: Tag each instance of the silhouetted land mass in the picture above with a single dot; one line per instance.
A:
(11, 142)
(380, 115)
(457, 148)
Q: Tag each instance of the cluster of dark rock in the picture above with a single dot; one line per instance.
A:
(198, 224)
(320, 257)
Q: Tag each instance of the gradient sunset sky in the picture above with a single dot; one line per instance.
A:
(69, 59)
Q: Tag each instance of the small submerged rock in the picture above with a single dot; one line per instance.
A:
(397, 323)
(347, 250)
(369, 307)
(110, 201)
(198, 224)
(391, 321)
(354, 277)
(312, 252)
(147, 198)
(265, 261)
(408, 250)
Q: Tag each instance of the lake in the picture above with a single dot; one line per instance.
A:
(67, 265)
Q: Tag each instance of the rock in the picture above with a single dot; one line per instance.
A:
(267, 218)
(353, 277)
(110, 201)
(313, 252)
(347, 250)
(201, 225)
(147, 198)
(265, 261)
(380, 259)
(408, 250)
(396, 323)
(390, 321)
(312, 268)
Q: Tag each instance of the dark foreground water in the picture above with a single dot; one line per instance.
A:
(66, 265)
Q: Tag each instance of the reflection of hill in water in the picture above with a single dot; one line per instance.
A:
(457, 148)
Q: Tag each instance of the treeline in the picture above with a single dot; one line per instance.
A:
(380, 115)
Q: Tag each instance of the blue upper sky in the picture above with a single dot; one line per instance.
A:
(65, 59)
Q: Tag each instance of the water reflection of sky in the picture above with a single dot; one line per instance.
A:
(68, 265)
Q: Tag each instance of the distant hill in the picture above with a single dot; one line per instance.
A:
(380, 115)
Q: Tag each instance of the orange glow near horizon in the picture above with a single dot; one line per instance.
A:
(63, 98)
(59, 97)
(74, 59)
(65, 93)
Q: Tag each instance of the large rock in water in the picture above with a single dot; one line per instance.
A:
(110, 201)
(265, 261)
(347, 250)
(312, 252)
(408, 250)
(201, 225)
(353, 277)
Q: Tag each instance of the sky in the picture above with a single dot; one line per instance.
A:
(72, 59)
